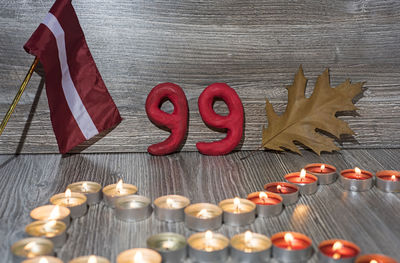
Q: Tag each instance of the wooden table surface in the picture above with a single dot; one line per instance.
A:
(370, 219)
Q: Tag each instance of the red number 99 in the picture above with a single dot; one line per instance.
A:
(233, 122)
(177, 121)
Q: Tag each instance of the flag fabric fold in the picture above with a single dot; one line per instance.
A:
(80, 105)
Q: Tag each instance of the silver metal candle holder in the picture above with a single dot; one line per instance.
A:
(31, 247)
(76, 203)
(287, 198)
(171, 246)
(356, 185)
(91, 190)
(291, 255)
(250, 247)
(388, 181)
(133, 208)
(49, 259)
(337, 256)
(324, 177)
(238, 212)
(267, 210)
(52, 229)
(171, 208)
(208, 247)
(51, 212)
(111, 192)
(305, 188)
(89, 259)
(139, 255)
(203, 216)
(367, 258)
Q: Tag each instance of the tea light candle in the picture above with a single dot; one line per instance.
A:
(133, 208)
(238, 212)
(325, 173)
(268, 204)
(51, 212)
(288, 192)
(208, 247)
(90, 189)
(45, 259)
(356, 180)
(32, 247)
(114, 191)
(170, 208)
(90, 259)
(291, 247)
(250, 247)
(53, 230)
(375, 258)
(76, 202)
(307, 183)
(337, 250)
(388, 181)
(171, 246)
(139, 255)
(203, 216)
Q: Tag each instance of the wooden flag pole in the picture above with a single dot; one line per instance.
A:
(18, 96)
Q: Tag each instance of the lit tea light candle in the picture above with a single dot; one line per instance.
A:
(171, 208)
(325, 173)
(388, 181)
(45, 259)
(203, 216)
(268, 204)
(337, 251)
(356, 180)
(288, 192)
(291, 247)
(208, 247)
(114, 191)
(307, 183)
(90, 189)
(32, 247)
(250, 247)
(171, 246)
(375, 258)
(51, 212)
(89, 259)
(76, 202)
(53, 230)
(133, 208)
(139, 255)
(238, 212)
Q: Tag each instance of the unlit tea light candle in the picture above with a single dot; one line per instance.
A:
(89, 259)
(388, 181)
(91, 190)
(291, 247)
(53, 230)
(114, 191)
(76, 202)
(288, 192)
(337, 250)
(208, 247)
(375, 258)
(139, 255)
(250, 247)
(51, 212)
(356, 180)
(268, 204)
(238, 212)
(32, 247)
(133, 208)
(171, 208)
(171, 246)
(203, 216)
(307, 183)
(326, 173)
(44, 259)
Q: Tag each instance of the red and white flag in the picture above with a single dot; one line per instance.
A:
(80, 105)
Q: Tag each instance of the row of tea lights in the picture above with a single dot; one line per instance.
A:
(54, 219)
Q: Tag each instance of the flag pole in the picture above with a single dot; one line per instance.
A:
(18, 96)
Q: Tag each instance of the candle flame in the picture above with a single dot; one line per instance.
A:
(322, 167)
(373, 261)
(48, 226)
(337, 245)
(92, 259)
(393, 178)
(43, 260)
(208, 241)
(85, 187)
(236, 205)
(209, 235)
(203, 213)
(170, 203)
(68, 193)
(120, 186)
(289, 238)
(358, 171)
(302, 174)
(248, 236)
(138, 258)
(263, 196)
(29, 246)
(279, 187)
(55, 213)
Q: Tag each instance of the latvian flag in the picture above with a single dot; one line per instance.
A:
(80, 105)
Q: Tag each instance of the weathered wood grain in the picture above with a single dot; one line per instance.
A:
(255, 46)
(370, 219)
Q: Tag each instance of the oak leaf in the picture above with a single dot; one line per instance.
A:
(304, 116)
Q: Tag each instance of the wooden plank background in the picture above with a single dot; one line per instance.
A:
(370, 219)
(255, 46)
